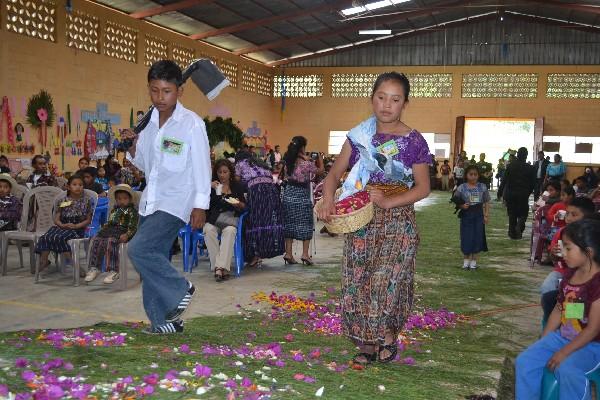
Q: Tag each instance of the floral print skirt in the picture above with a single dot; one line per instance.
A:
(378, 275)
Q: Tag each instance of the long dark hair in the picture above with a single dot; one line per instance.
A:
(220, 163)
(291, 155)
(585, 234)
(251, 158)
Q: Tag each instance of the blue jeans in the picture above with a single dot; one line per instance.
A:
(162, 286)
(551, 282)
(570, 373)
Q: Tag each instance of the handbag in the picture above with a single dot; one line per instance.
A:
(225, 219)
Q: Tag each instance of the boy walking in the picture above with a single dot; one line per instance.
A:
(173, 152)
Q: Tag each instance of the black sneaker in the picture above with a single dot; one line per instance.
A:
(178, 312)
(166, 329)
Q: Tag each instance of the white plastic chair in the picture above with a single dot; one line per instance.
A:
(43, 200)
(124, 260)
(90, 193)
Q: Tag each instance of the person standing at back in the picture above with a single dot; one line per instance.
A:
(445, 171)
(540, 166)
(173, 152)
(516, 187)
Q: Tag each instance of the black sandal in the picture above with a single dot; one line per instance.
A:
(219, 276)
(370, 357)
(392, 348)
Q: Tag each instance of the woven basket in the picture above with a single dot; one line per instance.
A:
(350, 222)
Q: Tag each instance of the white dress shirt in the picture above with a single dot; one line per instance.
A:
(176, 161)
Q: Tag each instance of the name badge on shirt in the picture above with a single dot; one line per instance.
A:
(389, 148)
(574, 310)
(171, 146)
(474, 198)
(65, 204)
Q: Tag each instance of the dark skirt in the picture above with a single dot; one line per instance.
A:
(56, 240)
(263, 226)
(472, 232)
(298, 220)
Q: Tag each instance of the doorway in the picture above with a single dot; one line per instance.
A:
(494, 137)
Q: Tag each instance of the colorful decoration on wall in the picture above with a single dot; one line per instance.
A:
(98, 140)
(40, 114)
(6, 121)
(253, 137)
(101, 114)
(223, 130)
(69, 118)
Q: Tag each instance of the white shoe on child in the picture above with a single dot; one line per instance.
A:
(92, 274)
(473, 265)
(111, 277)
(466, 264)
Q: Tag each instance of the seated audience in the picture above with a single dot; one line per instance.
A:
(226, 203)
(10, 205)
(120, 228)
(73, 214)
(40, 175)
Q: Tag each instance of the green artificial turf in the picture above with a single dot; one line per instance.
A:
(452, 363)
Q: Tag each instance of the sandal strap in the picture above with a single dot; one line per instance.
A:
(370, 357)
(392, 348)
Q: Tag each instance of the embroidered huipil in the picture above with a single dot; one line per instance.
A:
(176, 161)
(124, 217)
(10, 212)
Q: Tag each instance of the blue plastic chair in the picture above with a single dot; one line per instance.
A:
(185, 234)
(196, 238)
(550, 384)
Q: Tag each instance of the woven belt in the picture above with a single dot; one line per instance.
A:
(260, 179)
(388, 189)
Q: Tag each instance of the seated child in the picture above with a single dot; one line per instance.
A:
(556, 213)
(102, 179)
(73, 213)
(577, 210)
(570, 343)
(89, 181)
(554, 189)
(10, 206)
(120, 228)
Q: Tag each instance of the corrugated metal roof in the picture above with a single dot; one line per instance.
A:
(481, 43)
(319, 28)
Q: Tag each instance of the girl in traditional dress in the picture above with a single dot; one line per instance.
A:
(379, 259)
(473, 217)
(263, 227)
(298, 219)
(120, 228)
(73, 214)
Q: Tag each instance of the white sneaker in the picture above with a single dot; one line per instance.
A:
(92, 274)
(111, 277)
(466, 265)
(473, 265)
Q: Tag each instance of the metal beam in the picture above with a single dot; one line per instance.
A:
(444, 25)
(179, 5)
(384, 20)
(268, 20)
(419, 31)
(570, 6)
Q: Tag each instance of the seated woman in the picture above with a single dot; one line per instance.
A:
(40, 175)
(226, 203)
(73, 214)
